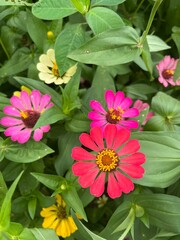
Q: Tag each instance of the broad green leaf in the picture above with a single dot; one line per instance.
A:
(162, 209)
(43, 88)
(14, 230)
(3, 189)
(106, 2)
(5, 210)
(53, 9)
(121, 44)
(3, 102)
(81, 5)
(79, 123)
(156, 44)
(176, 37)
(25, 153)
(146, 56)
(162, 153)
(7, 12)
(14, 3)
(177, 72)
(27, 234)
(71, 197)
(72, 37)
(101, 19)
(139, 91)
(1, 149)
(44, 234)
(32, 207)
(12, 170)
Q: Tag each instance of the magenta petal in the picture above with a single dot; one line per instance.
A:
(132, 112)
(38, 135)
(126, 185)
(109, 97)
(45, 99)
(113, 188)
(134, 171)
(26, 100)
(24, 135)
(119, 97)
(45, 128)
(96, 135)
(79, 153)
(17, 103)
(101, 123)
(35, 99)
(110, 135)
(96, 116)
(126, 103)
(97, 188)
(96, 106)
(136, 158)
(87, 179)
(129, 123)
(10, 110)
(131, 147)
(86, 140)
(10, 121)
(13, 130)
(122, 136)
(81, 168)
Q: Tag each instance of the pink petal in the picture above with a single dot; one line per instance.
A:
(101, 124)
(134, 171)
(122, 136)
(87, 179)
(17, 103)
(96, 116)
(10, 121)
(113, 188)
(26, 100)
(86, 140)
(110, 132)
(131, 147)
(97, 188)
(126, 185)
(38, 135)
(96, 135)
(136, 158)
(81, 168)
(45, 128)
(35, 99)
(13, 130)
(96, 106)
(10, 110)
(130, 113)
(24, 135)
(109, 97)
(45, 99)
(79, 154)
(129, 123)
(126, 103)
(118, 99)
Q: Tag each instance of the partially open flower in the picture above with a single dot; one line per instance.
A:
(49, 72)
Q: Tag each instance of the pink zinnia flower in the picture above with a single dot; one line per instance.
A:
(118, 111)
(166, 70)
(115, 160)
(23, 113)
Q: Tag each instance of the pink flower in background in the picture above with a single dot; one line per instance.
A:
(23, 114)
(115, 160)
(118, 111)
(166, 70)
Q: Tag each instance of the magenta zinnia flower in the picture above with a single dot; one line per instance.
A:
(115, 160)
(118, 111)
(23, 113)
(166, 70)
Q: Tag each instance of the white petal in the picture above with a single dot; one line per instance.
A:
(71, 71)
(59, 81)
(50, 80)
(66, 79)
(45, 76)
(44, 59)
(51, 55)
(43, 68)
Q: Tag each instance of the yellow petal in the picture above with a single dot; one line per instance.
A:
(63, 229)
(48, 221)
(60, 201)
(72, 224)
(48, 211)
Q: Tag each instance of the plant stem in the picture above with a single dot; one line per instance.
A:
(138, 7)
(151, 18)
(4, 48)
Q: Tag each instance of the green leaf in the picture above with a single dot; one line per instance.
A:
(106, 2)
(53, 9)
(32, 207)
(5, 210)
(101, 19)
(79, 123)
(72, 37)
(3, 189)
(81, 5)
(2, 154)
(27, 234)
(121, 44)
(162, 209)
(177, 72)
(71, 197)
(14, 3)
(14, 229)
(25, 153)
(146, 56)
(176, 37)
(162, 153)
(7, 12)
(156, 44)
(43, 88)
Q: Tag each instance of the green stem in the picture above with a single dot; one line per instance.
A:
(138, 7)
(151, 18)
(4, 48)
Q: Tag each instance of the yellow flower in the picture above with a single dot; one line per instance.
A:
(57, 218)
(49, 72)
(23, 88)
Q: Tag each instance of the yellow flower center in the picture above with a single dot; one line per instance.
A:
(107, 160)
(168, 73)
(114, 115)
(55, 70)
(29, 118)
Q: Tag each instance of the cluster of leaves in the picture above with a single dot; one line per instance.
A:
(116, 48)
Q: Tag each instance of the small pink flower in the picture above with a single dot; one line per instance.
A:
(118, 111)
(23, 114)
(166, 70)
(115, 160)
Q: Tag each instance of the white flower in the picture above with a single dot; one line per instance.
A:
(49, 72)
(102, 201)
